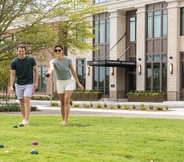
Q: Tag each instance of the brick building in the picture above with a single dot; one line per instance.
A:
(141, 47)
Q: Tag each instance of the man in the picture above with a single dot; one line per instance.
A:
(22, 68)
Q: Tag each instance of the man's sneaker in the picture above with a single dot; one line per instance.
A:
(25, 121)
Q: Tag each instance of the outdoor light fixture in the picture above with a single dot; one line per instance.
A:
(171, 57)
(139, 69)
(88, 70)
(171, 68)
(112, 70)
(139, 59)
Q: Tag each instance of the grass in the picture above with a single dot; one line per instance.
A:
(92, 139)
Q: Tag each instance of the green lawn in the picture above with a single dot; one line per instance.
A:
(92, 139)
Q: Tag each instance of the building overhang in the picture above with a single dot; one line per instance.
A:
(112, 63)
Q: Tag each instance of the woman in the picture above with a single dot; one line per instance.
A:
(64, 68)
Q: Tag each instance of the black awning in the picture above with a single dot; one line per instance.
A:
(112, 63)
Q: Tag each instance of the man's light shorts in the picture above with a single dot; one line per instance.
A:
(23, 90)
(64, 85)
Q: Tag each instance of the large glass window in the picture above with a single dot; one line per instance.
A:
(132, 29)
(156, 24)
(102, 39)
(101, 79)
(156, 77)
(102, 31)
(182, 22)
(149, 24)
(157, 73)
(107, 36)
(41, 79)
(182, 69)
(149, 74)
(164, 23)
(96, 32)
(81, 71)
(156, 50)
(164, 76)
(100, 1)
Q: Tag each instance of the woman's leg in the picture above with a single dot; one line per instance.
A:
(61, 97)
(67, 97)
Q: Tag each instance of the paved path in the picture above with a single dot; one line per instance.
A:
(53, 111)
(176, 110)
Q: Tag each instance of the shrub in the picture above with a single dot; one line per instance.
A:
(86, 91)
(126, 107)
(71, 102)
(34, 108)
(40, 97)
(14, 107)
(137, 93)
(98, 105)
(54, 104)
(112, 107)
(105, 105)
(10, 107)
(118, 106)
(142, 107)
(166, 107)
(86, 106)
(91, 104)
(159, 107)
(76, 105)
(133, 106)
(151, 107)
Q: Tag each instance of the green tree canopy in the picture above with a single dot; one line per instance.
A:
(41, 24)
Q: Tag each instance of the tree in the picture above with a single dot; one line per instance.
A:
(5, 76)
(40, 25)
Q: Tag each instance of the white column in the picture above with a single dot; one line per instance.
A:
(117, 30)
(141, 47)
(173, 80)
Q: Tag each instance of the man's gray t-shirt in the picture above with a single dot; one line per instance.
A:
(62, 68)
(23, 70)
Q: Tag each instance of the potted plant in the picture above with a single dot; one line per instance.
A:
(86, 95)
(146, 96)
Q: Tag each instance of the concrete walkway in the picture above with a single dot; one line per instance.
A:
(176, 110)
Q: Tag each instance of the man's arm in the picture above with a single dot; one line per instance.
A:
(35, 77)
(12, 79)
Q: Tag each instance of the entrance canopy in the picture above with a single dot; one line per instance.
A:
(112, 63)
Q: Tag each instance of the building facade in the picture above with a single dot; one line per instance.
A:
(146, 33)
(153, 40)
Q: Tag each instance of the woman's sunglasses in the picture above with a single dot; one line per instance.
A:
(59, 50)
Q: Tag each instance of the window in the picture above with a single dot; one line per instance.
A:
(100, 1)
(102, 39)
(81, 71)
(182, 22)
(157, 73)
(182, 68)
(107, 36)
(102, 30)
(101, 79)
(164, 23)
(132, 29)
(149, 25)
(41, 79)
(156, 50)
(157, 24)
